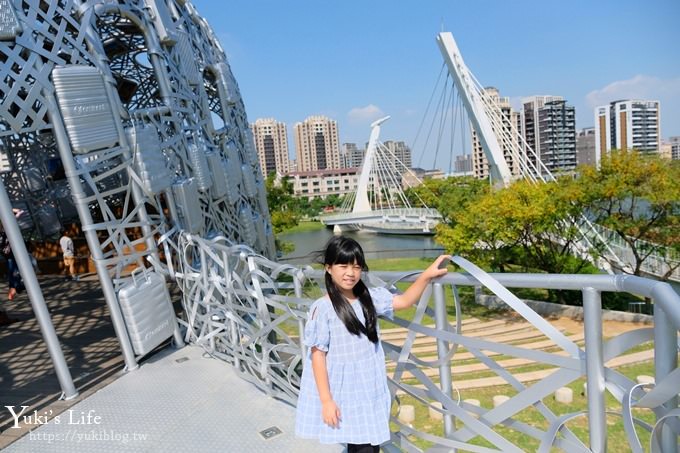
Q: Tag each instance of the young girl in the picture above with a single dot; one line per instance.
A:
(343, 395)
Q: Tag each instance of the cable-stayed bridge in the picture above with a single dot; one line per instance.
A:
(379, 204)
(509, 157)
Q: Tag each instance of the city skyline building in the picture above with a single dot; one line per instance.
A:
(626, 125)
(415, 177)
(463, 164)
(271, 143)
(509, 119)
(396, 158)
(585, 146)
(401, 151)
(557, 136)
(666, 150)
(351, 156)
(321, 183)
(529, 124)
(317, 144)
(675, 147)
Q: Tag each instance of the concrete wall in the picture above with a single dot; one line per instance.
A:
(548, 309)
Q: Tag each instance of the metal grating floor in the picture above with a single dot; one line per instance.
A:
(196, 405)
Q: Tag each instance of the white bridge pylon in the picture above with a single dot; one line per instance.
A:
(498, 167)
(361, 203)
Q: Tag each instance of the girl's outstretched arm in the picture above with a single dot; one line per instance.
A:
(330, 413)
(413, 293)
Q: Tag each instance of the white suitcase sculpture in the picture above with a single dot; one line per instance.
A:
(147, 310)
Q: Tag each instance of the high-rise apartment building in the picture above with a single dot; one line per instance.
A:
(548, 126)
(351, 156)
(626, 125)
(509, 120)
(585, 146)
(675, 147)
(391, 162)
(316, 144)
(401, 151)
(271, 142)
(463, 164)
(557, 136)
(529, 123)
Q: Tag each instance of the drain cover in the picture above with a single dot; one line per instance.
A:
(182, 359)
(270, 432)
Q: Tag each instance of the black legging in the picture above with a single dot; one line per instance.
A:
(363, 448)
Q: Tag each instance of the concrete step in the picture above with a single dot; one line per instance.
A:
(457, 371)
(488, 332)
(543, 344)
(392, 330)
(530, 376)
(400, 333)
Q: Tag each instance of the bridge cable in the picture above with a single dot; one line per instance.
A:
(434, 118)
(427, 109)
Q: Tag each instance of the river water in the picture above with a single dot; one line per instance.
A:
(376, 246)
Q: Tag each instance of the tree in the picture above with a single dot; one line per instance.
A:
(448, 195)
(637, 196)
(526, 224)
(282, 208)
(281, 203)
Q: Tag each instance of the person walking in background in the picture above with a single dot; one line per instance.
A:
(344, 396)
(66, 244)
(13, 276)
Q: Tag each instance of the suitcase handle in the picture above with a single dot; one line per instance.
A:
(132, 274)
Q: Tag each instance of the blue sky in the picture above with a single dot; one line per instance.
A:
(356, 61)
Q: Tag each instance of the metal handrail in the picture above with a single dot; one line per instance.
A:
(238, 304)
(398, 212)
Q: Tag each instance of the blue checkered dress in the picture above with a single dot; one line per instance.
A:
(356, 374)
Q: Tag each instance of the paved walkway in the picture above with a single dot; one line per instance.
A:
(83, 325)
(180, 400)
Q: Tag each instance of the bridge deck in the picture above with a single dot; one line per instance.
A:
(180, 400)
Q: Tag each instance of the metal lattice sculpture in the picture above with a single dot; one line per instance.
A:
(165, 77)
(125, 115)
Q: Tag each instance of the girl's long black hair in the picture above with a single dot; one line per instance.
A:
(344, 250)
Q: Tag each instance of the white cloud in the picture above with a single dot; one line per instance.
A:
(639, 87)
(666, 91)
(516, 102)
(365, 114)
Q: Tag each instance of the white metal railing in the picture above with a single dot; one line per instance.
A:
(659, 261)
(381, 213)
(250, 312)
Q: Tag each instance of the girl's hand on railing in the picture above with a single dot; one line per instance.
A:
(438, 267)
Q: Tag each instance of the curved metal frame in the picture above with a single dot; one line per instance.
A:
(161, 69)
